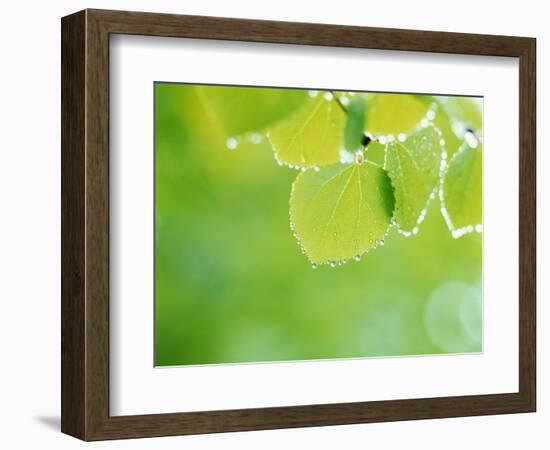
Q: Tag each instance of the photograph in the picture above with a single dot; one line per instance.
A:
(270, 225)
(297, 224)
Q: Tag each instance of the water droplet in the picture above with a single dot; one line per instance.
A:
(346, 157)
(382, 140)
(479, 228)
(415, 230)
(332, 264)
(314, 266)
(401, 137)
(471, 139)
(458, 129)
(316, 168)
(430, 115)
(328, 96)
(357, 258)
(256, 138)
(231, 143)
(424, 123)
(442, 142)
(344, 100)
(312, 94)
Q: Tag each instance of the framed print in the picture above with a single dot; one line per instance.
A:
(273, 225)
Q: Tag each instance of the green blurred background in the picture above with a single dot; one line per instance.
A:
(231, 284)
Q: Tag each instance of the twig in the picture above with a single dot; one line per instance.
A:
(342, 106)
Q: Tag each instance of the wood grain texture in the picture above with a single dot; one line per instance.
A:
(73, 225)
(527, 224)
(85, 224)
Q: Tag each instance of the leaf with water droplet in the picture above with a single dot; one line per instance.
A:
(467, 110)
(310, 137)
(341, 211)
(413, 167)
(394, 113)
(462, 187)
(242, 110)
(442, 121)
(355, 121)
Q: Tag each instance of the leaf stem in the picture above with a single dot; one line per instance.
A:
(340, 104)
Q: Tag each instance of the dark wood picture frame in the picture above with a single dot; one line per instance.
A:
(85, 224)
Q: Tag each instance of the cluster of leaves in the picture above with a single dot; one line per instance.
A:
(366, 162)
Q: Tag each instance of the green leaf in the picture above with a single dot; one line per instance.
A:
(442, 121)
(394, 113)
(466, 110)
(312, 136)
(242, 110)
(376, 153)
(355, 121)
(462, 190)
(413, 165)
(341, 211)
